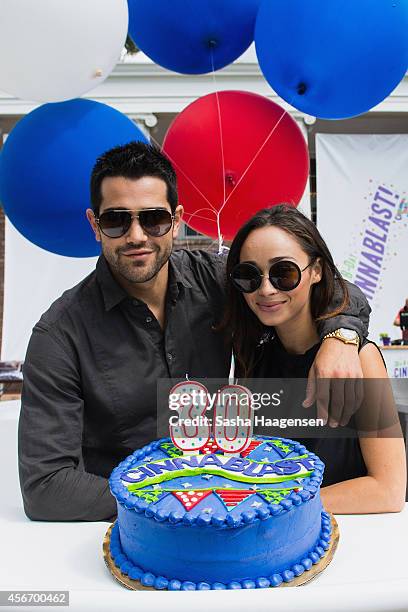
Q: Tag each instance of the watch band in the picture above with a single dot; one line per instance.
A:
(339, 336)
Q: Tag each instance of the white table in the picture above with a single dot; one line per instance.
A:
(369, 571)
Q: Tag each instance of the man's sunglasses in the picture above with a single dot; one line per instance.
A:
(283, 275)
(154, 221)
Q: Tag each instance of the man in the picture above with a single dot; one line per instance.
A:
(401, 320)
(94, 358)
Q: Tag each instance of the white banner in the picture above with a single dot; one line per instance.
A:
(362, 213)
(33, 279)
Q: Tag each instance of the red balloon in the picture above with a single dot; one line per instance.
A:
(261, 160)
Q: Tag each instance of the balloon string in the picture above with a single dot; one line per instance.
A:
(254, 158)
(220, 237)
(211, 209)
(173, 161)
(194, 214)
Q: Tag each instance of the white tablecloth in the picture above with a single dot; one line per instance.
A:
(369, 570)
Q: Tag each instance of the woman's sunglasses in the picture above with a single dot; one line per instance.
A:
(154, 221)
(283, 275)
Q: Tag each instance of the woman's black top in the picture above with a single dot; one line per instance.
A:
(342, 455)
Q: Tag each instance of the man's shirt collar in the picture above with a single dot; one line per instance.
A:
(112, 292)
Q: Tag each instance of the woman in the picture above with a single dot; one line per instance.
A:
(282, 279)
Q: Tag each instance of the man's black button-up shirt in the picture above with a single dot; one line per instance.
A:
(90, 378)
(91, 372)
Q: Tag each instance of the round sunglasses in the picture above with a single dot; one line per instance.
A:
(153, 221)
(284, 275)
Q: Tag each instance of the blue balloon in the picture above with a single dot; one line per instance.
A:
(333, 59)
(45, 170)
(190, 36)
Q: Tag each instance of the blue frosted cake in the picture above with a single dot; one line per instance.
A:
(213, 521)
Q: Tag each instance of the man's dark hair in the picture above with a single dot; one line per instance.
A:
(133, 161)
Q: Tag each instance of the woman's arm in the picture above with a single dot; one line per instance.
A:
(383, 489)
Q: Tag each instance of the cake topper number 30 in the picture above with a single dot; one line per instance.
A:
(231, 426)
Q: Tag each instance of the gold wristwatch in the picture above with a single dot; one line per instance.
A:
(348, 336)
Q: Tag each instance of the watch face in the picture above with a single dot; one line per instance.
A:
(348, 334)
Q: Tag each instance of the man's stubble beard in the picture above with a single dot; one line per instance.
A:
(137, 271)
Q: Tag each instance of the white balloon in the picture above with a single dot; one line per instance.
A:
(53, 50)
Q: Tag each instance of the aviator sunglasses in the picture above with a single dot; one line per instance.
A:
(284, 275)
(154, 221)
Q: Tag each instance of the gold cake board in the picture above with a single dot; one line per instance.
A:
(306, 577)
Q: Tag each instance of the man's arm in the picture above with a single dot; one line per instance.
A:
(356, 316)
(54, 484)
(337, 365)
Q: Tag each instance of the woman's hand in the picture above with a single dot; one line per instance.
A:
(335, 382)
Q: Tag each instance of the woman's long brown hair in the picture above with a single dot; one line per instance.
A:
(239, 320)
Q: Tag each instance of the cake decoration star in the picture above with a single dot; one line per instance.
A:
(267, 449)
(266, 459)
(206, 476)
(186, 485)
(147, 459)
(253, 487)
(256, 504)
(157, 487)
